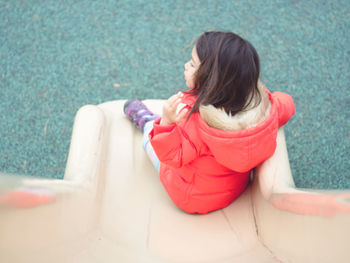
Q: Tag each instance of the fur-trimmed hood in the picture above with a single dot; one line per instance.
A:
(218, 118)
(242, 141)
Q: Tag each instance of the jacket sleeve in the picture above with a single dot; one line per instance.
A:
(172, 145)
(285, 106)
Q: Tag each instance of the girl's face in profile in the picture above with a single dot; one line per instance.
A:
(191, 68)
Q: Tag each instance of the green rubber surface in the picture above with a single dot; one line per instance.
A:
(56, 56)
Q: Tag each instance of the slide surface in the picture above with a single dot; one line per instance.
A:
(111, 207)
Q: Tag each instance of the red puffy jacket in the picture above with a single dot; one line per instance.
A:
(204, 168)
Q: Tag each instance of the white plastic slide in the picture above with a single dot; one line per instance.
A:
(111, 207)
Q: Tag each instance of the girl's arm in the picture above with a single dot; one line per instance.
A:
(170, 142)
(285, 105)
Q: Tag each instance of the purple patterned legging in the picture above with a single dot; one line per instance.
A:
(147, 146)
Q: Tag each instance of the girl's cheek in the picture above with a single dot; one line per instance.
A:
(187, 75)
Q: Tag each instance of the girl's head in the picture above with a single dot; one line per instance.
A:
(224, 72)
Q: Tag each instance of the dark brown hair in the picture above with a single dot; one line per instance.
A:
(228, 74)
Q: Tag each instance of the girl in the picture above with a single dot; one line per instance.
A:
(227, 125)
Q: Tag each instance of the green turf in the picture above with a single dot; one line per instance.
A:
(56, 56)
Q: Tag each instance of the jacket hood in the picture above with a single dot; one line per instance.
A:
(243, 141)
(252, 116)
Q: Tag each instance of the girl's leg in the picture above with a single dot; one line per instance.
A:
(143, 118)
(147, 146)
(138, 113)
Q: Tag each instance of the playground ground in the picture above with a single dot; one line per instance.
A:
(56, 56)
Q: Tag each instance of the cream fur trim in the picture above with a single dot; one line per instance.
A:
(218, 118)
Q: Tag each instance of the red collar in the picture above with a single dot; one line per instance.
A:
(188, 99)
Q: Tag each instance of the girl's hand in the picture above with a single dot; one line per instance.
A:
(170, 114)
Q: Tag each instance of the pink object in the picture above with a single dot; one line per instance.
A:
(312, 204)
(26, 198)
